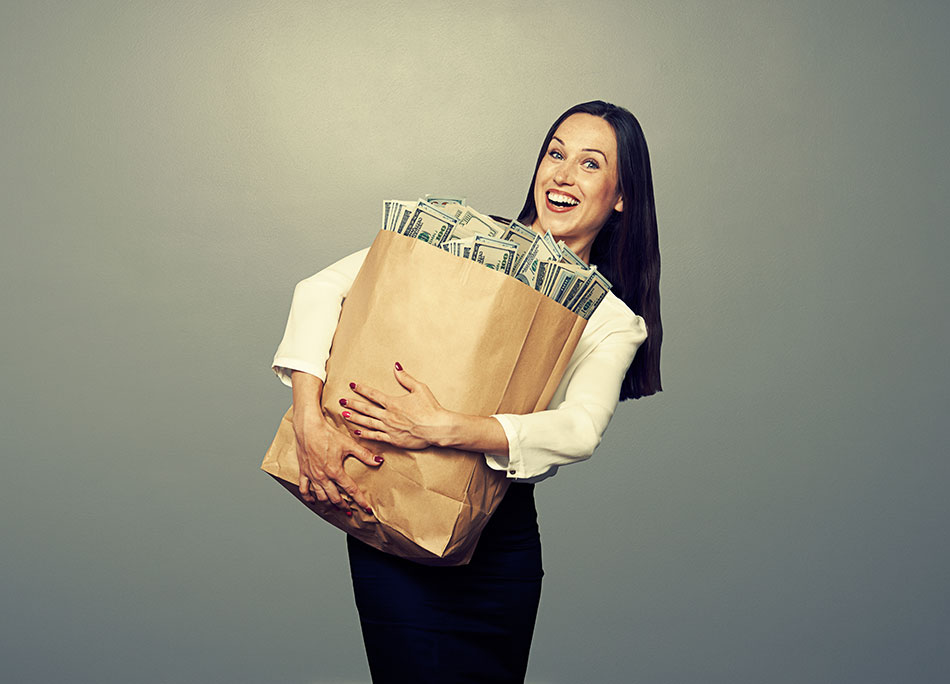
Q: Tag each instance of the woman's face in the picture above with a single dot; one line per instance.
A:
(576, 186)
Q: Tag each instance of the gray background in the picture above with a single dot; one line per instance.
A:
(170, 170)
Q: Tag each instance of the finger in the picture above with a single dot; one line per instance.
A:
(331, 492)
(363, 420)
(363, 407)
(303, 486)
(373, 395)
(364, 455)
(319, 493)
(350, 487)
(404, 379)
(375, 436)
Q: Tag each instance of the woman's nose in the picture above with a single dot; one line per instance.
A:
(563, 175)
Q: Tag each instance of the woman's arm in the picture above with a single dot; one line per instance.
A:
(524, 446)
(300, 361)
(416, 420)
(574, 425)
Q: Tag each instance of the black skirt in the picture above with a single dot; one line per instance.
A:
(471, 623)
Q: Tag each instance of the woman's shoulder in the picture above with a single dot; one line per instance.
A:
(345, 268)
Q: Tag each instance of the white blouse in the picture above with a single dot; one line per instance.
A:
(538, 443)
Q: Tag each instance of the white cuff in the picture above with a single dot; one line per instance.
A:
(284, 366)
(512, 464)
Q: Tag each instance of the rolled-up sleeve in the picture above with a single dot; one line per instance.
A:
(572, 427)
(314, 314)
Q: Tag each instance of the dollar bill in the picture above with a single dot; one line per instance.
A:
(444, 201)
(521, 236)
(569, 257)
(461, 247)
(547, 270)
(453, 210)
(575, 289)
(554, 278)
(390, 208)
(471, 222)
(541, 249)
(595, 291)
(493, 253)
(396, 214)
(552, 244)
(429, 224)
(566, 277)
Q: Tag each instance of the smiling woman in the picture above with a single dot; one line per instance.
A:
(625, 246)
(592, 189)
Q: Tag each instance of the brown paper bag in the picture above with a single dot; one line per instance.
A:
(483, 342)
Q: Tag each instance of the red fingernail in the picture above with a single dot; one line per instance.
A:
(353, 385)
(342, 402)
(346, 414)
(369, 510)
(357, 432)
(398, 366)
(349, 514)
(378, 459)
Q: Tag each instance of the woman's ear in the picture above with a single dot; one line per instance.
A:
(619, 205)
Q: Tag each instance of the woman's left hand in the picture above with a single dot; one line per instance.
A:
(408, 421)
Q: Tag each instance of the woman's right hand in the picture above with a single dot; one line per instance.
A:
(322, 448)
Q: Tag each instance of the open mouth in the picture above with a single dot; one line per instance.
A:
(562, 200)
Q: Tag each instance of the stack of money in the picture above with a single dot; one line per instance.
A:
(537, 260)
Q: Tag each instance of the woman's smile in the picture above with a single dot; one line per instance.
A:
(561, 201)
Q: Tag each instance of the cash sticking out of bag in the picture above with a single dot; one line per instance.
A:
(549, 266)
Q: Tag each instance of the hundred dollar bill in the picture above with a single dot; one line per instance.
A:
(500, 223)
(521, 236)
(541, 249)
(597, 288)
(494, 253)
(566, 277)
(575, 289)
(388, 208)
(394, 214)
(453, 210)
(429, 224)
(460, 248)
(552, 244)
(470, 223)
(569, 257)
(444, 201)
(547, 270)
(554, 278)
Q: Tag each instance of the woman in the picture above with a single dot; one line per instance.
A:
(593, 189)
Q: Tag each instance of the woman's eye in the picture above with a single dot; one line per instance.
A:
(591, 164)
(555, 154)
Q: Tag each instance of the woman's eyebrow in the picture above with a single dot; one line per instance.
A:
(586, 149)
(594, 149)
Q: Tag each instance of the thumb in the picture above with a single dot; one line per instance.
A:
(364, 455)
(404, 379)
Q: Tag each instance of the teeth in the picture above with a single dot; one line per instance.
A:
(558, 198)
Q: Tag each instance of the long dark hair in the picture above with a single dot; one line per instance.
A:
(626, 250)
